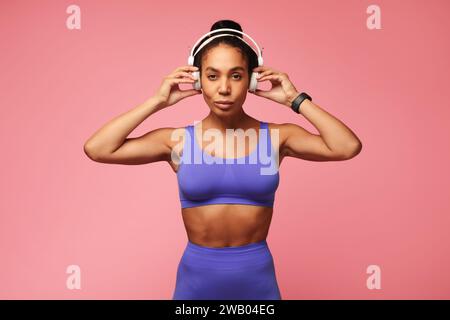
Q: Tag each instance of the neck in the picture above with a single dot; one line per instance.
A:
(234, 121)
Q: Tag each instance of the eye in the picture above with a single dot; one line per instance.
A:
(235, 74)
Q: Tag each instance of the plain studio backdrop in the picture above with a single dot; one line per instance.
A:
(122, 226)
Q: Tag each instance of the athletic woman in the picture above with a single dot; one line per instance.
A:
(226, 192)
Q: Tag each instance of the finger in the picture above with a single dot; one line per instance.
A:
(261, 74)
(261, 93)
(261, 68)
(185, 68)
(182, 80)
(188, 93)
(183, 74)
(189, 68)
(269, 77)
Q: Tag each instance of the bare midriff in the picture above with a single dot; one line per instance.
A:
(226, 225)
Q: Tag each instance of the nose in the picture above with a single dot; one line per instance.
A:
(224, 87)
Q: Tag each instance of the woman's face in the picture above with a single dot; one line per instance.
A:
(224, 76)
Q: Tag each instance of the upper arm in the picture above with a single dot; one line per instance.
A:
(153, 146)
(300, 143)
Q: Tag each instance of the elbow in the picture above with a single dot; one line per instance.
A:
(353, 151)
(347, 153)
(89, 151)
(97, 152)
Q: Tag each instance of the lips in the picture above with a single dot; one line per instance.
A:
(223, 104)
(224, 101)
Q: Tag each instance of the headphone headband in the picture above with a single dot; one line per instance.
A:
(192, 54)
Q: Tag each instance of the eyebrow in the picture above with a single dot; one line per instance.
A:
(235, 68)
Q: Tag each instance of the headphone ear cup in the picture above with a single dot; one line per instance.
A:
(197, 84)
(253, 82)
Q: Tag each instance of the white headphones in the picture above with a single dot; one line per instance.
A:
(196, 74)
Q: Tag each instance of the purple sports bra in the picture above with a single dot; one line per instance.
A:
(204, 179)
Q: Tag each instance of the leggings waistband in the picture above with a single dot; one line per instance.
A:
(244, 256)
(246, 248)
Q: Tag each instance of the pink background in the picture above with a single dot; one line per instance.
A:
(122, 224)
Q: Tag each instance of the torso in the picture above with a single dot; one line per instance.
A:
(223, 225)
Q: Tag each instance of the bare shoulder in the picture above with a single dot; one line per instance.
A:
(284, 129)
(279, 132)
(174, 136)
(297, 142)
(175, 140)
(293, 139)
(155, 145)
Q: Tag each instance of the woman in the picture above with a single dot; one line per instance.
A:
(226, 207)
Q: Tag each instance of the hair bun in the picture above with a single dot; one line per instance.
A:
(230, 24)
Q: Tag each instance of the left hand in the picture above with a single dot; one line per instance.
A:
(282, 91)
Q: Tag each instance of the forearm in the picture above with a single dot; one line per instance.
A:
(337, 136)
(113, 134)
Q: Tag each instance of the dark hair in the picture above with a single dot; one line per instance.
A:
(248, 53)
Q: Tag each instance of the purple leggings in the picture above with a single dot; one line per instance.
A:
(244, 272)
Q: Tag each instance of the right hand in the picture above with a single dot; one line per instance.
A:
(169, 92)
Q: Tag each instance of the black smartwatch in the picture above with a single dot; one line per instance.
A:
(297, 101)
